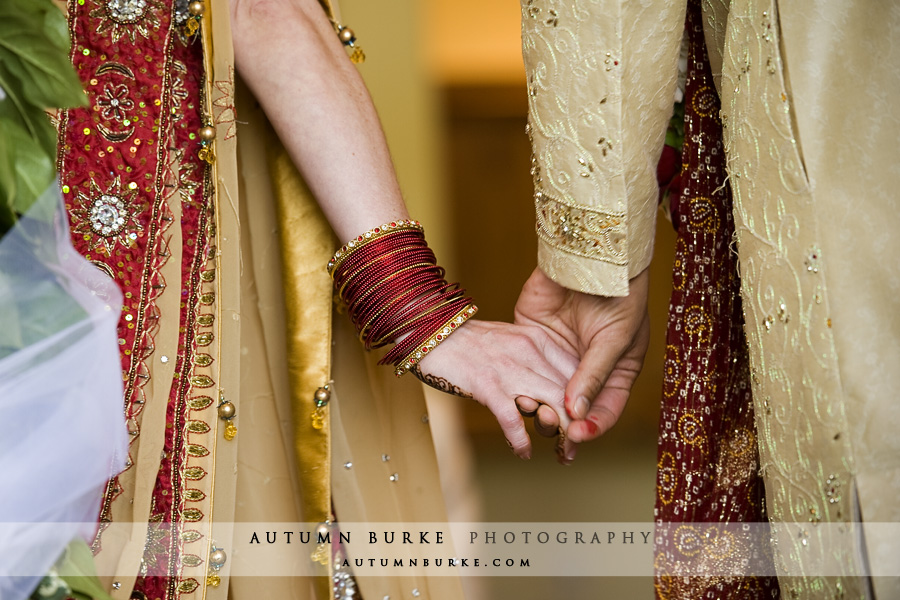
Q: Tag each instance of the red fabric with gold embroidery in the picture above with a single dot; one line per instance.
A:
(126, 162)
(708, 457)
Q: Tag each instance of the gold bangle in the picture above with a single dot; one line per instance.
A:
(434, 339)
(369, 236)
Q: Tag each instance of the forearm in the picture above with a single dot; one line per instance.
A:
(289, 55)
(597, 115)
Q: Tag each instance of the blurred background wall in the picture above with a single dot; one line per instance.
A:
(448, 81)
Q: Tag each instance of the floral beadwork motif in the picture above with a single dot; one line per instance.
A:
(125, 17)
(580, 230)
(114, 102)
(142, 210)
(108, 218)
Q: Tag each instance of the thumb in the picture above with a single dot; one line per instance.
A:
(590, 377)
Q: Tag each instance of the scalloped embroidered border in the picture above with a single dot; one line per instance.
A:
(587, 232)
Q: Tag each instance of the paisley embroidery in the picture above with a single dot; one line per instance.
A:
(584, 231)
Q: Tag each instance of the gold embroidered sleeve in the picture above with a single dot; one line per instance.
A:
(601, 83)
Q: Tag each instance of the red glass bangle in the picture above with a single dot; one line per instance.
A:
(370, 236)
(393, 289)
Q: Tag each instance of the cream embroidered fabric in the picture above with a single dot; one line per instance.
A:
(811, 134)
(597, 119)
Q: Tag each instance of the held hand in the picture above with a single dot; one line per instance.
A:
(610, 335)
(494, 363)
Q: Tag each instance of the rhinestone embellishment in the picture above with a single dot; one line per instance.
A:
(181, 12)
(126, 11)
(108, 215)
(833, 489)
(813, 257)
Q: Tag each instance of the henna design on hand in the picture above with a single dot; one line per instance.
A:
(439, 383)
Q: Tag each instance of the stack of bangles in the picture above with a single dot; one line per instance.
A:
(393, 290)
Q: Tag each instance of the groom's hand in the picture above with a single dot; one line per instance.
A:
(610, 335)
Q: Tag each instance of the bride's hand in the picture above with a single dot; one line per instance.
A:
(495, 363)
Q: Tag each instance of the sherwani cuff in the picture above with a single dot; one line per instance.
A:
(590, 249)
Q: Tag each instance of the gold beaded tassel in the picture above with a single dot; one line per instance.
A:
(348, 38)
(227, 412)
(322, 396)
(207, 135)
(217, 558)
(192, 25)
(322, 553)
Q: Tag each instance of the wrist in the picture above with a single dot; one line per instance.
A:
(396, 293)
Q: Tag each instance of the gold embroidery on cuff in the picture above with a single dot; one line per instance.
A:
(587, 232)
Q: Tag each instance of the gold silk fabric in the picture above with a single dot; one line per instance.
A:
(810, 135)
(292, 461)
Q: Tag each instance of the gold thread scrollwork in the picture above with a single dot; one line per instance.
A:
(581, 230)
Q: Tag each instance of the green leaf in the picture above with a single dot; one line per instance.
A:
(34, 172)
(51, 587)
(7, 182)
(43, 71)
(675, 131)
(55, 27)
(77, 569)
(33, 168)
(32, 9)
(31, 117)
(36, 304)
(50, 310)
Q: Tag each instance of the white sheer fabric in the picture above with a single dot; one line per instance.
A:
(62, 428)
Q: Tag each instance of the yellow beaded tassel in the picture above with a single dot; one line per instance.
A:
(348, 38)
(192, 25)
